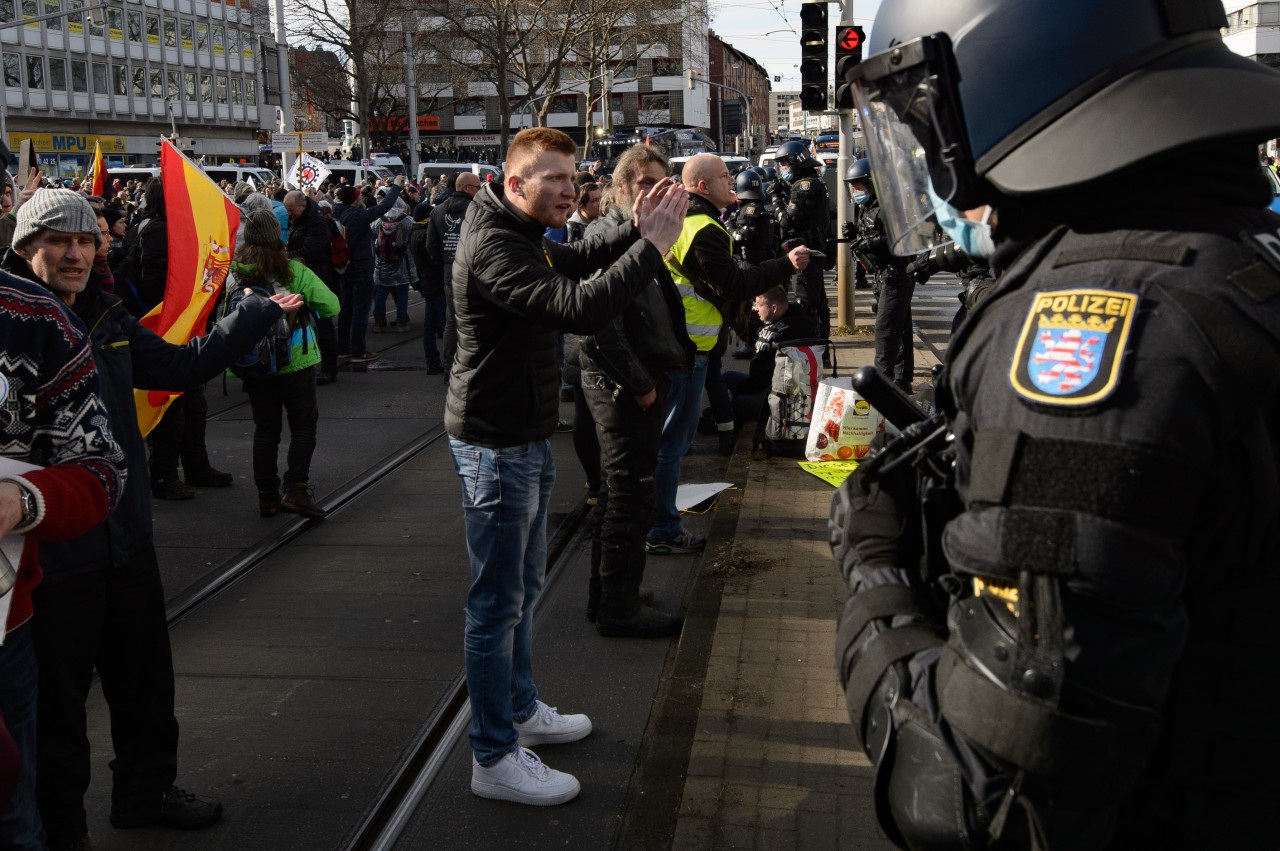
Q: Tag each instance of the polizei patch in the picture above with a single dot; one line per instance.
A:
(1072, 346)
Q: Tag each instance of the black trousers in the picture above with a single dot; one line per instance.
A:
(113, 621)
(327, 335)
(180, 436)
(272, 398)
(629, 439)
(809, 289)
(356, 302)
(895, 355)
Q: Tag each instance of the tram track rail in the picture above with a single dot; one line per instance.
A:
(411, 781)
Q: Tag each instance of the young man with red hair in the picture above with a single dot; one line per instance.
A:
(513, 293)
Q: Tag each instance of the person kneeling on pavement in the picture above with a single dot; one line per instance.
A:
(262, 262)
(782, 324)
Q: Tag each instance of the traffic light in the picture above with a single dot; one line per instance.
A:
(848, 54)
(813, 56)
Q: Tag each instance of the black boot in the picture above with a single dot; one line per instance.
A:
(638, 621)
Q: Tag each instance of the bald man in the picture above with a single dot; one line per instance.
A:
(712, 283)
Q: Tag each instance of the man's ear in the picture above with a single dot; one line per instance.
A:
(514, 185)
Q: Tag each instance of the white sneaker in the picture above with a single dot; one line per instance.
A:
(548, 727)
(521, 777)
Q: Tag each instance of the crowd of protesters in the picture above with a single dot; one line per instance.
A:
(508, 270)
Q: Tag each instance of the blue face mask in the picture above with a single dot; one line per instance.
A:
(861, 198)
(973, 238)
(787, 173)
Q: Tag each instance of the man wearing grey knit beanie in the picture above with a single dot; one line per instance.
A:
(101, 602)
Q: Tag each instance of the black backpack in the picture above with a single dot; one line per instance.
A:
(274, 351)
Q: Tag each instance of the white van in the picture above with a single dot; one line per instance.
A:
(434, 170)
(355, 174)
(237, 173)
(393, 164)
(141, 173)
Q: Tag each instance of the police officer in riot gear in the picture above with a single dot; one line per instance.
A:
(1059, 629)
(893, 286)
(754, 236)
(799, 201)
(755, 239)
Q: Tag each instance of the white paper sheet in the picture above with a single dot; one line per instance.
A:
(687, 496)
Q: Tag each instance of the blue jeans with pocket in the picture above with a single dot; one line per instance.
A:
(20, 825)
(505, 493)
(683, 407)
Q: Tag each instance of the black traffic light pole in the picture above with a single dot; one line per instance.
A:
(814, 80)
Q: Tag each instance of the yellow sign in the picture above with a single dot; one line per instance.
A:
(68, 143)
(832, 472)
(116, 33)
(188, 44)
(153, 38)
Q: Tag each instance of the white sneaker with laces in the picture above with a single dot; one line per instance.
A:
(523, 778)
(548, 727)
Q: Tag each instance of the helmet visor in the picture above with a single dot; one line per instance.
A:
(910, 119)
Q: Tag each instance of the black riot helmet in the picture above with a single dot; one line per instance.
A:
(770, 174)
(858, 170)
(1091, 99)
(747, 185)
(797, 154)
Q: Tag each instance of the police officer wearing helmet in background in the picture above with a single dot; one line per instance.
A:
(755, 239)
(895, 356)
(800, 208)
(1073, 654)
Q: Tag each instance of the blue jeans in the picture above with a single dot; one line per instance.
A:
(504, 503)
(680, 421)
(20, 826)
(433, 326)
(401, 296)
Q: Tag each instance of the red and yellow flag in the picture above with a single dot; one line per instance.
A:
(99, 171)
(202, 223)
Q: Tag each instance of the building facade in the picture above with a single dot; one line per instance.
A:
(1253, 30)
(780, 110)
(736, 77)
(644, 83)
(153, 67)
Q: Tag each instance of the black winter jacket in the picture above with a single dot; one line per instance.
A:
(357, 221)
(512, 292)
(311, 241)
(443, 231)
(649, 338)
(127, 356)
(154, 233)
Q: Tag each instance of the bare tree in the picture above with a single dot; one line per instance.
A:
(356, 30)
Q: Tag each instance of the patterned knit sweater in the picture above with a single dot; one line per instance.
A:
(51, 415)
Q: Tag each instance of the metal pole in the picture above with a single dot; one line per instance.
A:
(844, 270)
(411, 82)
(286, 95)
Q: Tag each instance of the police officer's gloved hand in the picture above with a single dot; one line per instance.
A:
(776, 189)
(849, 231)
(875, 525)
(920, 270)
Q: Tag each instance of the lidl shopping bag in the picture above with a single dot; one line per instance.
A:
(843, 423)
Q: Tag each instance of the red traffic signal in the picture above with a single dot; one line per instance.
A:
(849, 41)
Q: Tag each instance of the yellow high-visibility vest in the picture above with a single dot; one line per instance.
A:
(701, 318)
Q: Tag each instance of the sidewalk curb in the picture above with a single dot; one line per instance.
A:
(653, 799)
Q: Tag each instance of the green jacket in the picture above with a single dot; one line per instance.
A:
(320, 301)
